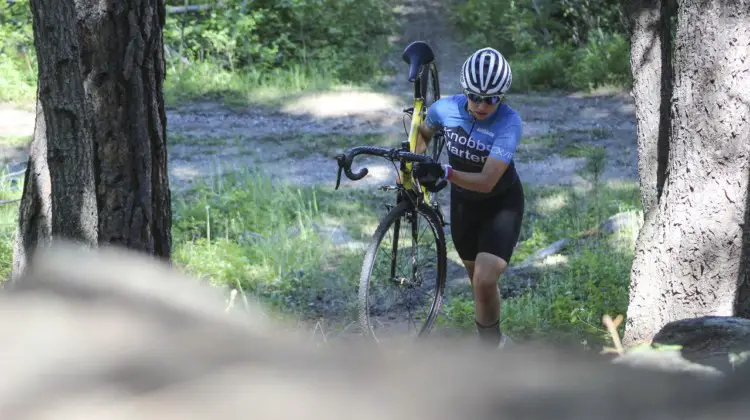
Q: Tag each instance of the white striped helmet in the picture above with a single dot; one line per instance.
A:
(486, 72)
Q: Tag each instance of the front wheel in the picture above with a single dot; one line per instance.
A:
(406, 259)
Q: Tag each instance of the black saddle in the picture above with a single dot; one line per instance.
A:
(417, 54)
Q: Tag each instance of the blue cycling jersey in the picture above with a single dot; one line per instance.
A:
(470, 142)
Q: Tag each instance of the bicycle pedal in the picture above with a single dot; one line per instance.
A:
(387, 187)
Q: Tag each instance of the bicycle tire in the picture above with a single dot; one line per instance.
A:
(429, 80)
(393, 216)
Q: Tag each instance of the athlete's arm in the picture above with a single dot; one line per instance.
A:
(480, 181)
(501, 154)
(424, 134)
(433, 121)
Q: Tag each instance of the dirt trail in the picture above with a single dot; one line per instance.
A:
(208, 138)
(274, 141)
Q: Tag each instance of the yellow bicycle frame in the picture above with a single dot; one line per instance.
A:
(405, 176)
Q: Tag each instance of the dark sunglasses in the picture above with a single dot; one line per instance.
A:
(491, 100)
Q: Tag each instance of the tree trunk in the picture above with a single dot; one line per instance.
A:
(742, 307)
(687, 262)
(650, 61)
(651, 66)
(35, 213)
(124, 66)
(67, 119)
(101, 70)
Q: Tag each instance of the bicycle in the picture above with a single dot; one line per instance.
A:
(411, 200)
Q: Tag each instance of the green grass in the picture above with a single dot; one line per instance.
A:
(243, 231)
(566, 143)
(331, 144)
(202, 81)
(8, 218)
(206, 80)
(17, 80)
(273, 241)
(15, 141)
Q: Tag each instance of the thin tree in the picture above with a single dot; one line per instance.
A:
(97, 170)
(694, 161)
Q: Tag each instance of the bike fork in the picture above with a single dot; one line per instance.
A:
(396, 229)
(394, 249)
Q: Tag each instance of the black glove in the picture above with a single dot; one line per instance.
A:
(428, 173)
(435, 187)
(432, 176)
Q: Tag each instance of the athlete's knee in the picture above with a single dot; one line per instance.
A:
(487, 269)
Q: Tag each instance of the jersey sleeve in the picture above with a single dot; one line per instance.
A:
(506, 142)
(434, 116)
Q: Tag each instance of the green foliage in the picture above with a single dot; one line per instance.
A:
(245, 231)
(17, 56)
(342, 36)
(274, 242)
(237, 49)
(551, 44)
(519, 26)
(9, 190)
(208, 80)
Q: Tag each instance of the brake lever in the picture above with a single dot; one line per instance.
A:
(339, 159)
(338, 178)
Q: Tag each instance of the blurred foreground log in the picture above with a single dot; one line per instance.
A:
(107, 334)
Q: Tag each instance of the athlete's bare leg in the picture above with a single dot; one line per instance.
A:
(484, 274)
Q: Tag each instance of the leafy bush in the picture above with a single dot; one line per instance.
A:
(248, 46)
(17, 56)
(336, 34)
(519, 26)
(604, 60)
(551, 44)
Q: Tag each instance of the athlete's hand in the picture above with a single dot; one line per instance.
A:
(432, 176)
(429, 173)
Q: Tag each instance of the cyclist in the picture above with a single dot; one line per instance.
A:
(487, 198)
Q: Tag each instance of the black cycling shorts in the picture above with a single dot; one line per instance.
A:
(491, 225)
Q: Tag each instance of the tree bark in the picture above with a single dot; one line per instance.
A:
(742, 306)
(123, 61)
(35, 212)
(687, 262)
(650, 61)
(67, 119)
(101, 72)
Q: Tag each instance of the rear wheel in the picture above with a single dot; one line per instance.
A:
(405, 260)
